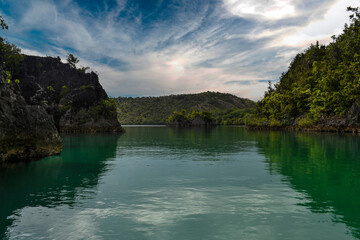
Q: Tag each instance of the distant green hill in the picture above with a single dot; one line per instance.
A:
(155, 110)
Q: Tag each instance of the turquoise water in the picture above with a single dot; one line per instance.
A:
(162, 183)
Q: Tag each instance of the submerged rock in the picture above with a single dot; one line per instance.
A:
(27, 132)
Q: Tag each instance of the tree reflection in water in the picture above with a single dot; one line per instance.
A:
(324, 166)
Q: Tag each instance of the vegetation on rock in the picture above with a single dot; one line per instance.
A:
(216, 117)
(74, 98)
(320, 87)
(11, 59)
(191, 119)
(72, 60)
(26, 132)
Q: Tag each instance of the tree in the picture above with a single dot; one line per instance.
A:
(2, 23)
(72, 60)
(321, 83)
(355, 16)
(84, 69)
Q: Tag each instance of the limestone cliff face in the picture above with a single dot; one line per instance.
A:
(26, 132)
(75, 99)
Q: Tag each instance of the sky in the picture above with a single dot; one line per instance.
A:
(163, 47)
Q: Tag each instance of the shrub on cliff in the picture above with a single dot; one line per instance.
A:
(106, 108)
(72, 60)
(320, 82)
(184, 118)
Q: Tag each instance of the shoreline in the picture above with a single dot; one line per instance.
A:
(316, 128)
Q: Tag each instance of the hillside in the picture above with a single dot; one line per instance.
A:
(155, 110)
(321, 89)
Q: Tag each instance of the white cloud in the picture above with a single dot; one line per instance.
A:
(265, 9)
(321, 29)
(32, 52)
(198, 51)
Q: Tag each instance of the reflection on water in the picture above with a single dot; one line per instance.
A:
(55, 180)
(163, 183)
(324, 166)
(204, 140)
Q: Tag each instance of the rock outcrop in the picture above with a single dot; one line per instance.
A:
(75, 99)
(27, 132)
(348, 124)
(179, 120)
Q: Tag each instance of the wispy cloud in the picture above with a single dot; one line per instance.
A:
(179, 46)
(264, 9)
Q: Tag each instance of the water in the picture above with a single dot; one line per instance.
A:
(161, 183)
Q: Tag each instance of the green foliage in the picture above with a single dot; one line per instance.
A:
(221, 117)
(155, 110)
(8, 76)
(72, 60)
(83, 69)
(50, 89)
(11, 58)
(233, 116)
(320, 82)
(188, 117)
(182, 115)
(275, 123)
(106, 108)
(305, 122)
(66, 107)
(64, 91)
(85, 86)
(82, 116)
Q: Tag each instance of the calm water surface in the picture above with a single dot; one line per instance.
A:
(160, 183)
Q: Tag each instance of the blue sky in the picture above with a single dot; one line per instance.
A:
(161, 47)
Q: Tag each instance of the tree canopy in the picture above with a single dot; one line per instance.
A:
(72, 60)
(10, 56)
(155, 110)
(321, 82)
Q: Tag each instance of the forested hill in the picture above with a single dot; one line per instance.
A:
(155, 110)
(321, 89)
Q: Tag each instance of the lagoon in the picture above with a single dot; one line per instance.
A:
(164, 183)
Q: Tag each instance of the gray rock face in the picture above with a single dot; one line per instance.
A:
(26, 132)
(353, 117)
(75, 99)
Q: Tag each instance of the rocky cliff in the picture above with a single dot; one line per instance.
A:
(193, 119)
(75, 99)
(333, 123)
(27, 132)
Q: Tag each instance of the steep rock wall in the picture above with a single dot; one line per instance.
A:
(75, 99)
(27, 132)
